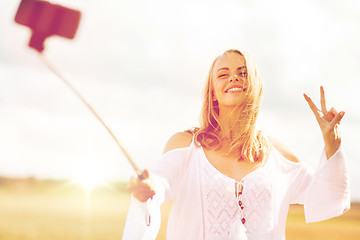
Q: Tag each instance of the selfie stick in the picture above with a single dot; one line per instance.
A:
(57, 72)
(46, 19)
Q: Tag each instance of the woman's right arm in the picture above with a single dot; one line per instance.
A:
(144, 189)
(144, 218)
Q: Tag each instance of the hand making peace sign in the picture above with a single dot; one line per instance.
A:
(329, 122)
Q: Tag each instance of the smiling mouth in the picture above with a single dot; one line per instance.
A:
(236, 89)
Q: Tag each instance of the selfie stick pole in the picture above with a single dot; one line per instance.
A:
(57, 72)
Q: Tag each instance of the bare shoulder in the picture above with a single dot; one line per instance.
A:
(284, 150)
(178, 140)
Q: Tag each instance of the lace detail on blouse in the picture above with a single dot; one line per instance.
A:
(221, 211)
(258, 203)
(230, 207)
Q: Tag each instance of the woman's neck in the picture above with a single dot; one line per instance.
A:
(227, 122)
(233, 126)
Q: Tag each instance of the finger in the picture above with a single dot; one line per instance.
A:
(313, 107)
(333, 112)
(143, 197)
(149, 192)
(132, 182)
(132, 185)
(337, 118)
(144, 175)
(322, 100)
(135, 183)
(143, 194)
(142, 184)
(328, 116)
(146, 191)
(141, 189)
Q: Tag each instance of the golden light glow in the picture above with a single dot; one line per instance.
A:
(88, 181)
(89, 175)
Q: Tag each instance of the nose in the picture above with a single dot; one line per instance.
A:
(234, 78)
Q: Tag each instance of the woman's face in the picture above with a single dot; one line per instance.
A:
(230, 80)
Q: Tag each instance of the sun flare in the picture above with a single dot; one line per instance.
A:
(88, 181)
(89, 176)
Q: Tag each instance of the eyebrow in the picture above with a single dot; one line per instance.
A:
(239, 68)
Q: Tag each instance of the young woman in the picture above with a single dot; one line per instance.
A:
(226, 179)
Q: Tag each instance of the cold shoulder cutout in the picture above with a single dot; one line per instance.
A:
(184, 139)
(285, 151)
(178, 140)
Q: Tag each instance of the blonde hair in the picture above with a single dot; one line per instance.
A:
(246, 142)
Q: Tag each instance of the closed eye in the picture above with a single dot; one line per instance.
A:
(222, 75)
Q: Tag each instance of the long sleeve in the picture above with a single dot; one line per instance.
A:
(324, 193)
(144, 218)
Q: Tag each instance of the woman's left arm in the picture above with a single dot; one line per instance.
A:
(327, 191)
(329, 123)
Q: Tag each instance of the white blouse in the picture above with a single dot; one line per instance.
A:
(211, 205)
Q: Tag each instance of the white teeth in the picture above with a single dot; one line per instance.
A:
(234, 89)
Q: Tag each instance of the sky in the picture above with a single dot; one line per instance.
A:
(143, 64)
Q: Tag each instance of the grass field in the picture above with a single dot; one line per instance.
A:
(54, 213)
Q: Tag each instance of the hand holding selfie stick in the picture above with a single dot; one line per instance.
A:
(46, 19)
